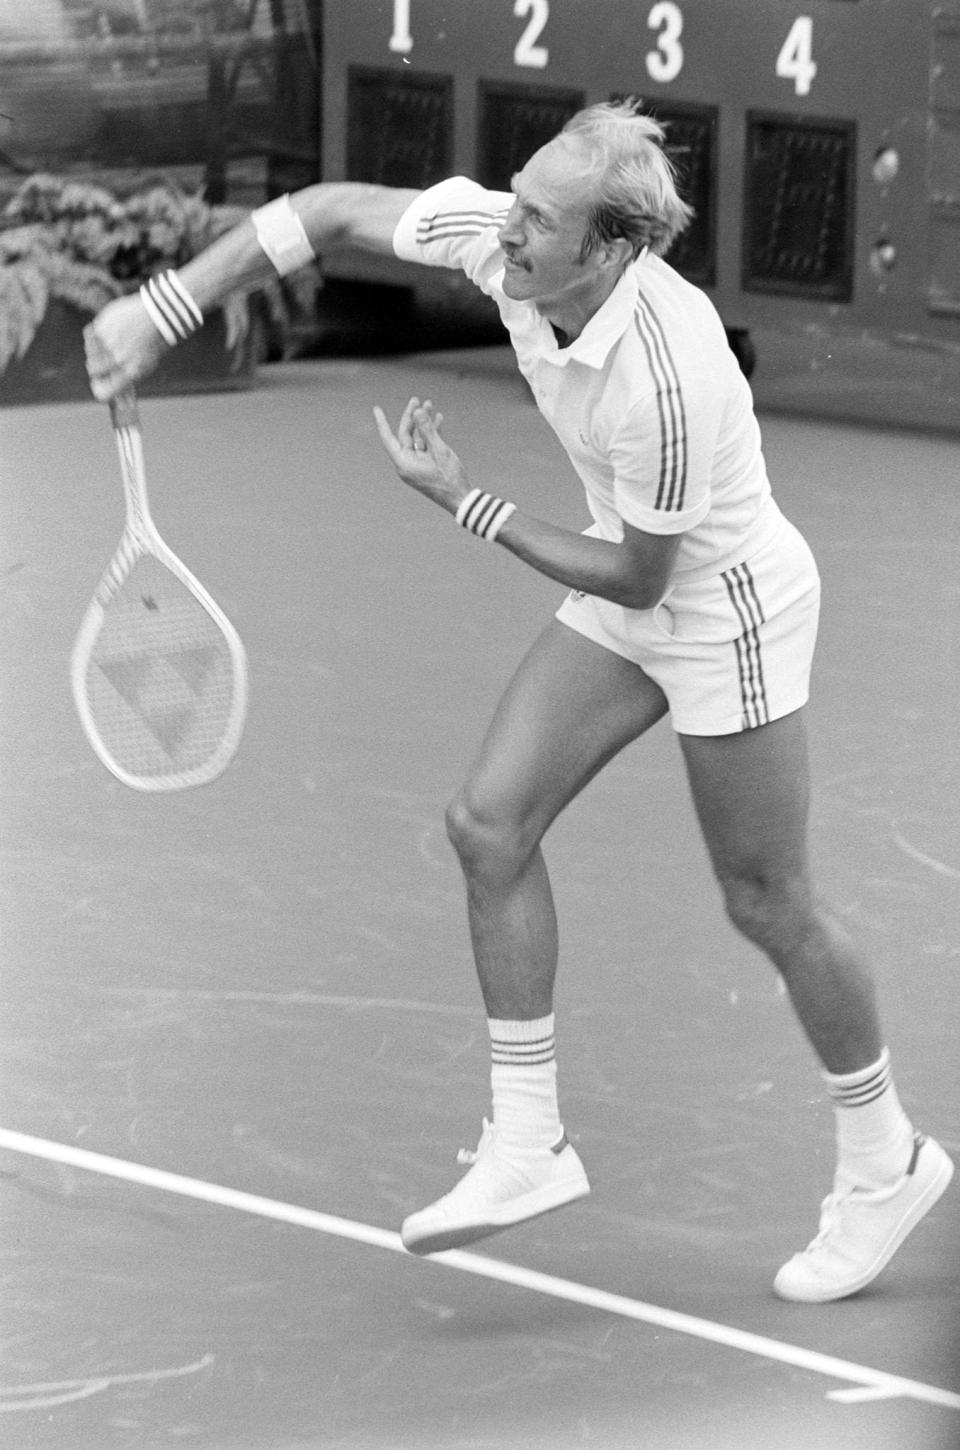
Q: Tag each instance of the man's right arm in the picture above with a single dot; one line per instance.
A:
(334, 214)
(123, 344)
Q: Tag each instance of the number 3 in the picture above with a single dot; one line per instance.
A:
(666, 62)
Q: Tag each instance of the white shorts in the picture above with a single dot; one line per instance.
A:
(730, 652)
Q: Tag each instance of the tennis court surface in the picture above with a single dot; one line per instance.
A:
(241, 1033)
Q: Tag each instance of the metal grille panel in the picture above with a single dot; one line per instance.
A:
(798, 232)
(398, 127)
(691, 143)
(514, 121)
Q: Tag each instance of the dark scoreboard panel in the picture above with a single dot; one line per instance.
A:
(819, 142)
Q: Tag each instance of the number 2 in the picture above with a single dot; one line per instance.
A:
(527, 51)
(795, 61)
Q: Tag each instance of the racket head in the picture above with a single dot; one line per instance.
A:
(159, 674)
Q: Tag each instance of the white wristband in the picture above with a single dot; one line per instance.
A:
(484, 514)
(281, 235)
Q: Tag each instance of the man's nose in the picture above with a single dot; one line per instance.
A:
(511, 233)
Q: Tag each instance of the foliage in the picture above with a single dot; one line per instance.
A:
(78, 242)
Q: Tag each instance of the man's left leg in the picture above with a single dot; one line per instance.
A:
(751, 793)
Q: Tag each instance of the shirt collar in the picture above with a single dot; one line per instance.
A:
(606, 326)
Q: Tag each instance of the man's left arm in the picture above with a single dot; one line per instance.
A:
(634, 573)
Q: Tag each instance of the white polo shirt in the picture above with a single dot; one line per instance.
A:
(649, 402)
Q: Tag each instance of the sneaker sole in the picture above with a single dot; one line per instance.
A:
(918, 1210)
(435, 1239)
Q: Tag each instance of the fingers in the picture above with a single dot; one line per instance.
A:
(420, 456)
(417, 430)
(426, 431)
(106, 378)
(386, 435)
(406, 428)
(122, 346)
(426, 419)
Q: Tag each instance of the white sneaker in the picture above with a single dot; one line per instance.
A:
(861, 1229)
(504, 1187)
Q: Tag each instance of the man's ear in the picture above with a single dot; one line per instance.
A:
(617, 253)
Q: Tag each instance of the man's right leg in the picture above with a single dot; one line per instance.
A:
(751, 794)
(571, 706)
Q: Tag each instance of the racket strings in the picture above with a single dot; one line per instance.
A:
(161, 680)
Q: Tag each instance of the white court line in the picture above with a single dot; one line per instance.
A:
(862, 1395)
(871, 1382)
(64, 1392)
(291, 999)
(941, 867)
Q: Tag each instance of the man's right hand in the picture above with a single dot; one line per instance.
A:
(122, 346)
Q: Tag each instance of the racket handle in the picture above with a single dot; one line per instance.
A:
(123, 410)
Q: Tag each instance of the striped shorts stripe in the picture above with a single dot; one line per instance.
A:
(742, 590)
(731, 652)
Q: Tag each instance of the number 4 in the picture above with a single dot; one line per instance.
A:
(795, 61)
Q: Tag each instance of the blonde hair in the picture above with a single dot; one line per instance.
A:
(636, 189)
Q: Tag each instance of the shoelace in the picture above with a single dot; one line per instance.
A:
(466, 1157)
(831, 1213)
(829, 1219)
(831, 1210)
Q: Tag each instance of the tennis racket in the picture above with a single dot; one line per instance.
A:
(158, 672)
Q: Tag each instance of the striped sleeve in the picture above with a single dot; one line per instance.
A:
(454, 224)
(663, 455)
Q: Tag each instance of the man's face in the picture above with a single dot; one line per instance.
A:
(543, 235)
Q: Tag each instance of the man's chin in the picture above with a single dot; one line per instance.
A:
(516, 283)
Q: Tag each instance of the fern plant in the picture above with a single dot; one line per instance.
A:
(77, 242)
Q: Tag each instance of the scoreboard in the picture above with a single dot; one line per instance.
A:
(818, 142)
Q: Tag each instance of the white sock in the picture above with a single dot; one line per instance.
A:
(874, 1134)
(523, 1076)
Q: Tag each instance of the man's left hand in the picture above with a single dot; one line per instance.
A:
(421, 457)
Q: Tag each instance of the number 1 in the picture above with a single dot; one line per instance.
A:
(401, 40)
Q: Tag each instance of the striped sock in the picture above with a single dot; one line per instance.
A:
(523, 1075)
(874, 1134)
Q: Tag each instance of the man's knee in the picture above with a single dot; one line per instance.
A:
(774, 912)
(486, 838)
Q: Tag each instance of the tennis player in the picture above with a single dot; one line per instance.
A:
(691, 596)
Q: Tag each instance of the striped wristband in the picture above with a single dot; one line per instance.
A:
(170, 307)
(484, 514)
